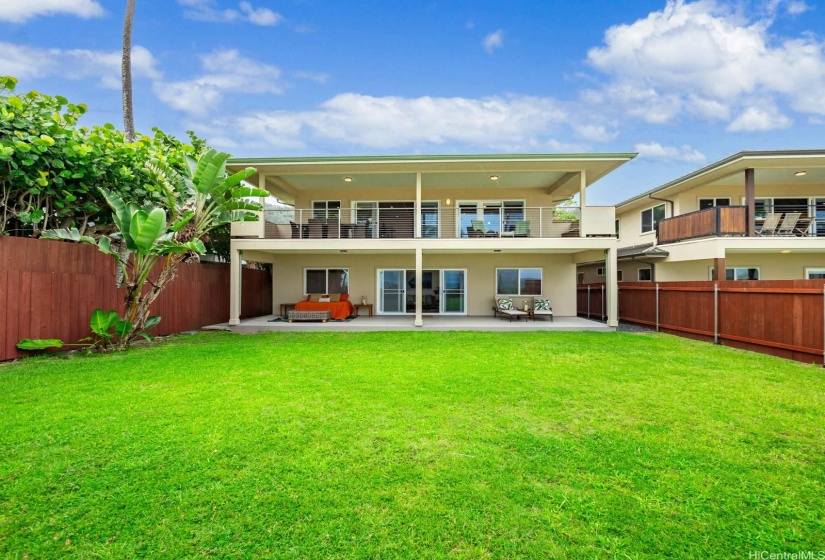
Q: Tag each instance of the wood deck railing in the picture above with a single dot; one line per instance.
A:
(710, 222)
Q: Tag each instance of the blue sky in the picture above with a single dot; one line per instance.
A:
(683, 83)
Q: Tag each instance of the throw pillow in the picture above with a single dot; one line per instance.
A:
(505, 304)
(334, 297)
(542, 305)
(344, 297)
(314, 297)
(324, 299)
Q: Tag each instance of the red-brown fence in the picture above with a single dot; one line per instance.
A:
(48, 289)
(783, 318)
(591, 301)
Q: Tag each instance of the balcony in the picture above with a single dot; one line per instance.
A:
(710, 222)
(436, 223)
(720, 221)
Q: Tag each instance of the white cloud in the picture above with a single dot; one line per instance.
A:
(683, 153)
(20, 11)
(226, 71)
(385, 123)
(493, 41)
(205, 10)
(701, 59)
(755, 119)
(24, 61)
(317, 77)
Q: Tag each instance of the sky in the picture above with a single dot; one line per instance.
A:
(683, 83)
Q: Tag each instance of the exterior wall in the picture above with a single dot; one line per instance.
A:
(689, 200)
(558, 275)
(630, 225)
(771, 266)
(629, 270)
(532, 197)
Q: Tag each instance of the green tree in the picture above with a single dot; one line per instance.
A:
(160, 238)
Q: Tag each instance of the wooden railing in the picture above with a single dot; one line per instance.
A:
(710, 222)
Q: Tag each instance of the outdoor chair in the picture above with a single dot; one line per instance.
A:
(504, 306)
(541, 308)
(789, 223)
(316, 228)
(522, 229)
(769, 227)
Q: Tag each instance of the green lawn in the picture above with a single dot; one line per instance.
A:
(412, 445)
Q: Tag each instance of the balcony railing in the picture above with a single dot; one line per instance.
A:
(436, 223)
(710, 222)
(788, 220)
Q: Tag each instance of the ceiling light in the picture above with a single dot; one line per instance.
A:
(494, 177)
(801, 173)
(343, 250)
(348, 179)
(786, 251)
(497, 250)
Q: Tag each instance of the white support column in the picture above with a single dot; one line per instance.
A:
(417, 220)
(235, 282)
(419, 283)
(611, 278)
(582, 200)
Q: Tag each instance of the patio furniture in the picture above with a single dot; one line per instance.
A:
(504, 306)
(769, 226)
(316, 228)
(522, 229)
(788, 224)
(323, 316)
(541, 308)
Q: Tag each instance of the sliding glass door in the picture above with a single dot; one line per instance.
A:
(442, 291)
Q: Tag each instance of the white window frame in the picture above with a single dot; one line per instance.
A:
(814, 270)
(734, 269)
(653, 222)
(600, 271)
(326, 209)
(639, 275)
(325, 269)
(714, 199)
(480, 210)
(619, 276)
(618, 229)
(518, 280)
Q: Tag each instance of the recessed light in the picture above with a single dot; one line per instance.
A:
(343, 250)
(494, 177)
(348, 179)
(786, 251)
(497, 250)
(801, 173)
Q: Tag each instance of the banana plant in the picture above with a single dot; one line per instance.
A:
(158, 239)
(106, 327)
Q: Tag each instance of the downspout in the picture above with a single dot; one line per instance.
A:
(672, 204)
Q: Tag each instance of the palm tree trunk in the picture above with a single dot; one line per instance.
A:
(126, 72)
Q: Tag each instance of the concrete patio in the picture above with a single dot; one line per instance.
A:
(405, 323)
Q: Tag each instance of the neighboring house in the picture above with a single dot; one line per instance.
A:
(755, 215)
(430, 235)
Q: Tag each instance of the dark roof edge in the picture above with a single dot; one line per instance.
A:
(431, 158)
(722, 163)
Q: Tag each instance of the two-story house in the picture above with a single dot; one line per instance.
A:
(429, 235)
(757, 215)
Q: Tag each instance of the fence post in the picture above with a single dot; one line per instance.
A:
(657, 307)
(588, 301)
(602, 316)
(716, 313)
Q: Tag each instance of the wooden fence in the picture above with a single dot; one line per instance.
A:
(48, 289)
(784, 318)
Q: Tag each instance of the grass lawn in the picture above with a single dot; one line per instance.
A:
(412, 445)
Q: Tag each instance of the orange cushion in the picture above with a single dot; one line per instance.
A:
(344, 297)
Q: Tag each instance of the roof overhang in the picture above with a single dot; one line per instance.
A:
(557, 174)
(770, 168)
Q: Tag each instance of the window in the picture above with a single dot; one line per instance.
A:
(617, 228)
(651, 217)
(600, 271)
(815, 273)
(711, 202)
(738, 273)
(326, 209)
(619, 276)
(326, 281)
(518, 281)
(644, 275)
(580, 278)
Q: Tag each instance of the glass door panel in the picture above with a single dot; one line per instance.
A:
(453, 293)
(492, 217)
(392, 292)
(819, 224)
